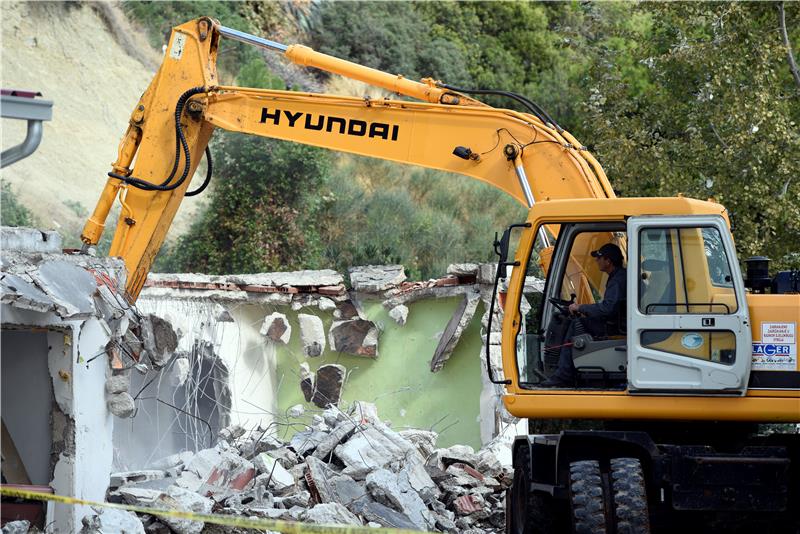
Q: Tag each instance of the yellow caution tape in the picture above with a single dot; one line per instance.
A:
(278, 525)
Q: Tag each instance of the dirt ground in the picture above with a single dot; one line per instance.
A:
(70, 53)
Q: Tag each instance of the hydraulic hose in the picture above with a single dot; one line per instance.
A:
(532, 106)
(180, 142)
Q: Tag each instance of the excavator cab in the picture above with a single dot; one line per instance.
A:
(683, 326)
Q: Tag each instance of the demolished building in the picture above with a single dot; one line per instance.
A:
(93, 386)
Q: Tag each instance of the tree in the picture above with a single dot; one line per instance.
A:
(716, 116)
(12, 212)
(261, 210)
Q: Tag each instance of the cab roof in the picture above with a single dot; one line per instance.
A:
(621, 208)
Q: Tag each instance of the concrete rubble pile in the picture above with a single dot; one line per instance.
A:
(343, 468)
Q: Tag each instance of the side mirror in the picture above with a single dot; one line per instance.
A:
(501, 249)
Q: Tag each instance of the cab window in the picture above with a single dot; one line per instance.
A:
(685, 271)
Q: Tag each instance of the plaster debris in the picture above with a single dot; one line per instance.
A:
(330, 513)
(399, 314)
(376, 278)
(454, 330)
(17, 527)
(276, 327)
(277, 477)
(356, 336)
(180, 499)
(110, 521)
(328, 385)
(346, 468)
(312, 334)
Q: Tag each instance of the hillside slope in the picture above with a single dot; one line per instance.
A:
(95, 76)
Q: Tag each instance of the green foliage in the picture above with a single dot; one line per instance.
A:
(380, 213)
(79, 209)
(716, 106)
(159, 17)
(254, 73)
(261, 209)
(12, 213)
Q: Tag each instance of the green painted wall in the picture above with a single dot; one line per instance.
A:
(399, 381)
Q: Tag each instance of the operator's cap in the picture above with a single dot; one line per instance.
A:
(610, 251)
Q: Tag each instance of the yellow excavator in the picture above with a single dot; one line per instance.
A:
(699, 357)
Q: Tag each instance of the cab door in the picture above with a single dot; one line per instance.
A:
(688, 323)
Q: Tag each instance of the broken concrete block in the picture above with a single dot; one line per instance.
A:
(118, 383)
(347, 491)
(69, 285)
(453, 331)
(107, 521)
(424, 440)
(160, 340)
(173, 461)
(232, 433)
(399, 314)
(331, 513)
(328, 385)
(301, 498)
(456, 454)
(216, 471)
(295, 411)
(21, 526)
(317, 475)
(375, 278)
(383, 515)
(181, 499)
(326, 304)
(306, 441)
(257, 496)
(276, 327)
(312, 334)
(372, 447)
(306, 381)
(121, 404)
(486, 273)
(364, 412)
(134, 477)
(232, 474)
(463, 269)
(23, 239)
(356, 336)
(337, 435)
(389, 489)
(277, 477)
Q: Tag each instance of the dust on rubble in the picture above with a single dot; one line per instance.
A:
(342, 468)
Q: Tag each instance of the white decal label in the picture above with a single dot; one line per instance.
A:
(777, 350)
(177, 46)
(778, 333)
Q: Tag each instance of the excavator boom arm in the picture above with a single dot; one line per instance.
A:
(172, 124)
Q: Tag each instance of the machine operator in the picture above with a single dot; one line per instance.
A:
(595, 318)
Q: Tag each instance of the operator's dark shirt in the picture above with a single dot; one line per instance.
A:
(608, 308)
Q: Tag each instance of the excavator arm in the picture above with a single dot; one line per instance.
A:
(170, 128)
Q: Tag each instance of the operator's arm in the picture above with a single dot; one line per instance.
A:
(614, 295)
